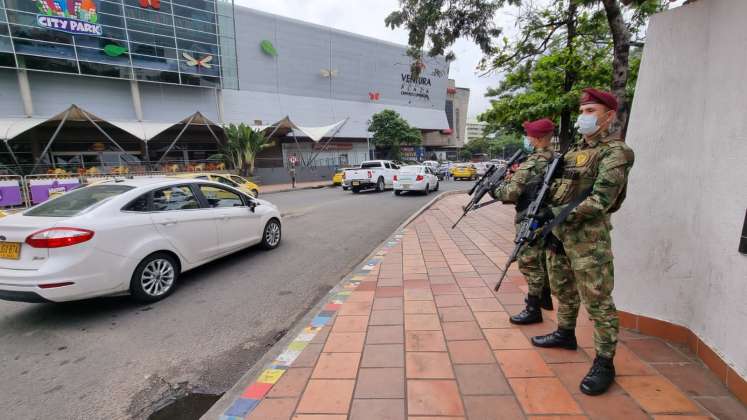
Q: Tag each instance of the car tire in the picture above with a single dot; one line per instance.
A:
(397, 192)
(272, 234)
(438, 184)
(163, 271)
(356, 190)
(344, 188)
(427, 189)
(380, 185)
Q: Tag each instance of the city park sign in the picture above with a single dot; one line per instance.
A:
(77, 17)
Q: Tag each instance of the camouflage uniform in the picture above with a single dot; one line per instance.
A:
(531, 259)
(582, 270)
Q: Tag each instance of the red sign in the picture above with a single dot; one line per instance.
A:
(155, 4)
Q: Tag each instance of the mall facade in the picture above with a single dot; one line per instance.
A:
(150, 84)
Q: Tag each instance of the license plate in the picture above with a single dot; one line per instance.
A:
(356, 183)
(10, 250)
(405, 186)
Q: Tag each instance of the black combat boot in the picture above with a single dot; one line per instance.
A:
(562, 338)
(600, 376)
(531, 314)
(546, 299)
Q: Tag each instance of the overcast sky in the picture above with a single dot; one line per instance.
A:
(366, 17)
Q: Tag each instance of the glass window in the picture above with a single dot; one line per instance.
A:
(27, 46)
(219, 197)
(207, 81)
(49, 64)
(174, 198)
(107, 70)
(226, 181)
(156, 76)
(40, 34)
(151, 39)
(140, 204)
(155, 63)
(99, 56)
(75, 202)
(203, 15)
(154, 28)
(152, 50)
(196, 36)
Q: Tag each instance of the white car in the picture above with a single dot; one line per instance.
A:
(127, 236)
(372, 174)
(415, 178)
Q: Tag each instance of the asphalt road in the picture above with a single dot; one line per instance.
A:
(112, 358)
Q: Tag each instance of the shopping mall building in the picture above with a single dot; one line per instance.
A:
(149, 84)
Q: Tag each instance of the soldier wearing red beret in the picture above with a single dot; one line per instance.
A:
(579, 255)
(519, 191)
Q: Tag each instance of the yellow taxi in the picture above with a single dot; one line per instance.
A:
(231, 180)
(464, 171)
(338, 177)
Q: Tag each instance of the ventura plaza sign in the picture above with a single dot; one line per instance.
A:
(71, 16)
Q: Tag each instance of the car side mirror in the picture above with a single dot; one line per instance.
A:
(252, 205)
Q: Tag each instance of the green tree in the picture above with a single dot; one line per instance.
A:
(434, 25)
(242, 146)
(391, 131)
(465, 154)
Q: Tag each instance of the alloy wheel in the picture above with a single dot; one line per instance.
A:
(158, 277)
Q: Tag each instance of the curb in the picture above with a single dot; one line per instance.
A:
(245, 395)
(313, 187)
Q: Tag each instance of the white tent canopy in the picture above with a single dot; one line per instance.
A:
(314, 133)
(12, 127)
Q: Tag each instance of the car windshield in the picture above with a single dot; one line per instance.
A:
(366, 165)
(77, 201)
(238, 179)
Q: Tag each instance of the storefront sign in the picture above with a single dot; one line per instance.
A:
(41, 189)
(419, 87)
(332, 146)
(72, 16)
(412, 153)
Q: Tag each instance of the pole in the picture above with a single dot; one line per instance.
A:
(54, 136)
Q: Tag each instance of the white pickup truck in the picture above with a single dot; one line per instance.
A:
(377, 174)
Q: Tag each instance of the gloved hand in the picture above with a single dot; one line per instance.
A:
(544, 215)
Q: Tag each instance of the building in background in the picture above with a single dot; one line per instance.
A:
(445, 144)
(475, 130)
(151, 84)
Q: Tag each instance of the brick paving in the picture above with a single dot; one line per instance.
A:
(421, 335)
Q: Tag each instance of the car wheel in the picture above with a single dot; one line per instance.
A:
(356, 190)
(344, 188)
(427, 189)
(397, 192)
(255, 193)
(272, 234)
(438, 184)
(154, 278)
(380, 185)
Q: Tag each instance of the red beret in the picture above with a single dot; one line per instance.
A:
(538, 128)
(596, 96)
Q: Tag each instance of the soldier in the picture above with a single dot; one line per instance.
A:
(579, 256)
(520, 190)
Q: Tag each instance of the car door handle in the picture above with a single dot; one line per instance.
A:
(169, 222)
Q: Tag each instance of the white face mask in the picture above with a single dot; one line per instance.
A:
(587, 124)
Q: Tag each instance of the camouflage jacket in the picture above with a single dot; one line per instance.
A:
(511, 192)
(602, 163)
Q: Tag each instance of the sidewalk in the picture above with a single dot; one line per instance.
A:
(418, 334)
(274, 188)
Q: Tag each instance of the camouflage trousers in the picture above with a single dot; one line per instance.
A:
(532, 265)
(584, 273)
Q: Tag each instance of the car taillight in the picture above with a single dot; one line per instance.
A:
(370, 174)
(419, 178)
(395, 177)
(58, 237)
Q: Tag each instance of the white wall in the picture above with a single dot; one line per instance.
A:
(676, 237)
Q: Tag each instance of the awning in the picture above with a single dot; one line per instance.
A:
(142, 129)
(12, 127)
(314, 133)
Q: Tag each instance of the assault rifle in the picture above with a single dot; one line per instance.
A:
(491, 180)
(529, 228)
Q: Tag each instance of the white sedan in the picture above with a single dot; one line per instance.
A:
(127, 236)
(419, 178)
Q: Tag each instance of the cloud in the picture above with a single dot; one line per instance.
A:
(366, 17)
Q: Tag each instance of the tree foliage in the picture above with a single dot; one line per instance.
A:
(391, 131)
(242, 146)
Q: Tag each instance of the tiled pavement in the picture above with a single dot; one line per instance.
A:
(423, 337)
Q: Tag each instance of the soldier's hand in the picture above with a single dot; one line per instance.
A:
(544, 215)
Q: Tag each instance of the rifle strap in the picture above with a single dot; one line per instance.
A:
(565, 212)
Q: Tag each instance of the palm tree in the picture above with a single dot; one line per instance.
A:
(242, 147)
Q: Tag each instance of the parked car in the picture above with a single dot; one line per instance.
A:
(127, 236)
(419, 178)
(377, 174)
(481, 168)
(345, 180)
(464, 171)
(231, 180)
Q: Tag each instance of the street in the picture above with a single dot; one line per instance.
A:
(113, 358)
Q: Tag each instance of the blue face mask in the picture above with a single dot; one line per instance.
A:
(528, 144)
(587, 124)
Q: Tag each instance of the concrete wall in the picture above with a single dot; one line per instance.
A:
(676, 237)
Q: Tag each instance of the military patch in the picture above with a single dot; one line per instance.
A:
(582, 159)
